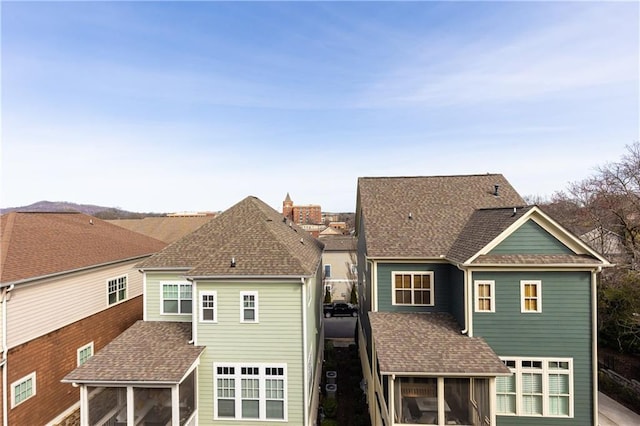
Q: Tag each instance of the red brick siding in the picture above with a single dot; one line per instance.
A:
(54, 355)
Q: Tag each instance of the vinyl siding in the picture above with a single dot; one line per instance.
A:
(277, 338)
(441, 278)
(38, 308)
(562, 329)
(153, 296)
(531, 238)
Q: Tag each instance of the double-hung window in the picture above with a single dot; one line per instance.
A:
(176, 298)
(530, 296)
(413, 288)
(485, 296)
(250, 391)
(208, 308)
(23, 389)
(84, 353)
(249, 306)
(117, 289)
(537, 387)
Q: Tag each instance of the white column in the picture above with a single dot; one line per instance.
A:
(175, 405)
(84, 406)
(440, 400)
(131, 414)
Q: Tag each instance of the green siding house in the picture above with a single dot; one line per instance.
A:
(232, 331)
(475, 309)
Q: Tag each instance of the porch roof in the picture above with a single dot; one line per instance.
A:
(430, 343)
(148, 351)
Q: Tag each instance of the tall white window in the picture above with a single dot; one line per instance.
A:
(117, 289)
(485, 297)
(249, 306)
(327, 270)
(531, 296)
(84, 353)
(176, 298)
(413, 288)
(208, 308)
(23, 389)
(250, 391)
(537, 387)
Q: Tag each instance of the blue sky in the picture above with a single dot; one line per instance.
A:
(174, 106)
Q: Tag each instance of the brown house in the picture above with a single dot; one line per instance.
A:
(68, 286)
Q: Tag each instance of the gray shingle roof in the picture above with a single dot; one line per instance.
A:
(154, 352)
(440, 207)
(430, 343)
(483, 226)
(166, 228)
(339, 243)
(254, 234)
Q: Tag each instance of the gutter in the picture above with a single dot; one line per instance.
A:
(594, 341)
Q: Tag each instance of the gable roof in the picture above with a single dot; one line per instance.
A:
(166, 228)
(339, 243)
(260, 240)
(430, 343)
(148, 351)
(41, 244)
(421, 217)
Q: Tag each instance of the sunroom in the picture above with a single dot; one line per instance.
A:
(430, 373)
(146, 376)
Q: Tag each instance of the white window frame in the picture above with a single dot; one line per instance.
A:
(255, 307)
(81, 350)
(29, 377)
(538, 297)
(179, 284)
(545, 371)
(237, 377)
(116, 281)
(491, 298)
(202, 308)
(326, 267)
(432, 289)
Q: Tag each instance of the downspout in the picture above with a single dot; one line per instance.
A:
(5, 350)
(305, 356)
(594, 340)
(467, 293)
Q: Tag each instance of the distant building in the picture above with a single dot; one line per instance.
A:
(302, 215)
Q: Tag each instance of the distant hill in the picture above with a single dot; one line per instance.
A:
(90, 209)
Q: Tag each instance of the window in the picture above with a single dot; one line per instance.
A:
(250, 391)
(413, 288)
(485, 300)
(327, 271)
(353, 268)
(249, 306)
(84, 353)
(208, 309)
(176, 298)
(531, 296)
(23, 389)
(538, 387)
(117, 289)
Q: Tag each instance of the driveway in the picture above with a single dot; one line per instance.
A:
(610, 413)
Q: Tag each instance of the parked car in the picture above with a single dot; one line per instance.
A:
(340, 309)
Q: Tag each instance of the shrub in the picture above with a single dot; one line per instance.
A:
(330, 407)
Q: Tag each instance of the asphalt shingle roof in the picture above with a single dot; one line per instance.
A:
(40, 244)
(260, 240)
(430, 343)
(421, 217)
(167, 228)
(339, 243)
(148, 351)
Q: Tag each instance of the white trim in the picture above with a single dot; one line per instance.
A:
(144, 295)
(255, 307)
(237, 378)
(31, 376)
(201, 306)
(81, 349)
(126, 289)
(432, 287)
(491, 298)
(544, 371)
(178, 283)
(538, 297)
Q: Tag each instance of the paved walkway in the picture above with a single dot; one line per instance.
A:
(610, 413)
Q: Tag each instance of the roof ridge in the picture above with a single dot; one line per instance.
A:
(431, 176)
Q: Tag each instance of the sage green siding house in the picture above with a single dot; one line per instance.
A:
(475, 309)
(232, 330)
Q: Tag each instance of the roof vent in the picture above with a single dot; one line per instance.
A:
(410, 215)
(514, 212)
(233, 262)
(495, 190)
(301, 240)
